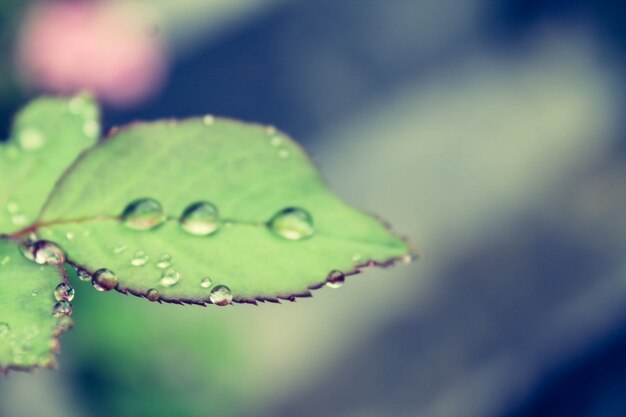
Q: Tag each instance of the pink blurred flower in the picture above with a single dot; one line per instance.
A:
(103, 47)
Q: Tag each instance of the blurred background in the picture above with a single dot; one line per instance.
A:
(492, 132)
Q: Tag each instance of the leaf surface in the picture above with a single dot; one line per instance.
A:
(28, 330)
(249, 173)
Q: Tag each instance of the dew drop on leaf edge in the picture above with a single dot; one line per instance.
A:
(201, 218)
(221, 295)
(292, 223)
(64, 292)
(62, 308)
(48, 253)
(335, 279)
(153, 294)
(104, 280)
(143, 214)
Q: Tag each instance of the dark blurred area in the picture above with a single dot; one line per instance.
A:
(491, 132)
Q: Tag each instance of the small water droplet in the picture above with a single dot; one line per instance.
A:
(221, 295)
(201, 218)
(35, 293)
(283, 153)
(5, 329)
(31, 139)
(104, 280)
(335, 279)
(78, 104)
(292, 223)
(120, 247)
(270, 130)
(165, 261)
(64, 292)
(206, 282)
(276, 141)
(170, 277)
(409, 258)
(69, 236)
(13, 207)
(153, 295)
(208, 120)
(91, 128)
(357, 257)
(139, 259)
(4, 261)
(48, 253)
(65, 324)
(143, 214)
(19, 219)
(83, 275)
(62, 308)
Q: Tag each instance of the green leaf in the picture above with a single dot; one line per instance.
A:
(249, 173)
(28, 330)
(46, 137)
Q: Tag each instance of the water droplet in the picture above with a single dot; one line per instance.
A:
(19, 219)
(292, 223)
(221, 295)
(91, 128)
(270, 130)
(31, 139)
(62, 308)
(83, 275)
(64, 292)
(64, 324)
(69, 236)
(120, 247)
(357, 257)
(409, 258)
(208, 119)
(104, 280)
(201, 218)
(35, 293)
(5, 329)
(165, 261)
(206, 282)
(13, 207)
(80, 105)
(143, 214)
(170, 277)
(335, 279)
(48, 253)
(139, 259)
(283, 153)
(276, 141)
(153, 295)
(4, 261)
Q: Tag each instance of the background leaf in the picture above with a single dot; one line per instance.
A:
(249, 173)
(47, 136)
(28, 329)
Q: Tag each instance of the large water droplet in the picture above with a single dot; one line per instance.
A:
(143, 214)
(62, 308)
(201, 218)
(170, 277)
(335, 279)
(221, 295)
(206, 282)
(139, 259)
(5, 329)
(292, 223)
(153, 295)
(104, 280)
(64, 292)
(83, 275)
(31, 139)
(165, 261)
(48, 253)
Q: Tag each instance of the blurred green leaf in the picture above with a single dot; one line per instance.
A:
(47, 136)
